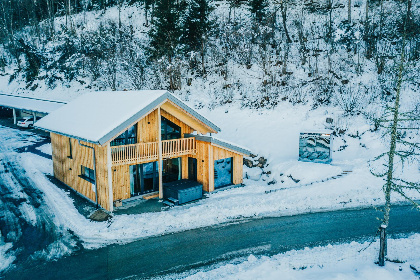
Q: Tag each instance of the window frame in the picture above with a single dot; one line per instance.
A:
(70, 155)
(90, 174)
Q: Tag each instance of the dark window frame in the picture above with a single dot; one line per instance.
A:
(124, 139)
(70, 156)
(87, 174)
(165, 123)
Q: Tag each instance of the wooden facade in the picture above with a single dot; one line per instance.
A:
(68, 157)
(112, 164)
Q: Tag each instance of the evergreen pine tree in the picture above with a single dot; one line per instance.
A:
(197, 25)
(258, 9)
(165, 32)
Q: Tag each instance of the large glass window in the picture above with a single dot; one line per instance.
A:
(144, 178)
(171, 170)
(169, 130)
(127, 137)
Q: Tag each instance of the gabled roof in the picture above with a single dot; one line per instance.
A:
(29, 103)
(97, 117)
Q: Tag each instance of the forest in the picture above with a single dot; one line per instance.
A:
(257, 53)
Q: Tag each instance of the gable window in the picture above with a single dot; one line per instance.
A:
(169, 130)
(127, 137)
(87, 174)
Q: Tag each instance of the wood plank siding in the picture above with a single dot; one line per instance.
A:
(67, 167)
(206, 154)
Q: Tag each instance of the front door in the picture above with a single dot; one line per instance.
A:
(192, 169)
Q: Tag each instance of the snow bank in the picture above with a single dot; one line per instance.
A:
(343, 262)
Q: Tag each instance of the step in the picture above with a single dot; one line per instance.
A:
(150, 196)
(99, 216)
(168, 203)
(173, 200)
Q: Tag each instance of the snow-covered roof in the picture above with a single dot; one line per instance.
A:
(29, 103)
(222, 143)
(97, 117)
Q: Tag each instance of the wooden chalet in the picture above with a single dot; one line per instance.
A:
(111, 146)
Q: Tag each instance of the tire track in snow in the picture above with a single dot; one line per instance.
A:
(25, 219)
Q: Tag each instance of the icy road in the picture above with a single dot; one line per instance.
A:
(182, 251)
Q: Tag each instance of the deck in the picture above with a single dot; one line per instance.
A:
(147, 152)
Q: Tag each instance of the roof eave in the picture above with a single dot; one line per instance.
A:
(26, 109)
(68, 135)
(220, 143)
(191, 111)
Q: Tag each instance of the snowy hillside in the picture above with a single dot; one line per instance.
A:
(310, 55)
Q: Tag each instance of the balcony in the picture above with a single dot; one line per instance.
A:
(146, 152)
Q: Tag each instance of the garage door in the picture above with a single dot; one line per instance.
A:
(222, 172)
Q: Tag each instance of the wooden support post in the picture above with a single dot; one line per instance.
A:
(109, 169)
(160, 155)
(14, 116)
(382, 245)
(211, 169)
(184, 167)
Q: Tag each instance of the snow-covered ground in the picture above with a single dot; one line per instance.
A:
(46, 149)
(272, 134)
(6, 256)
(344, 262)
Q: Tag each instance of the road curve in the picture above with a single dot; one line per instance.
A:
(184, 250)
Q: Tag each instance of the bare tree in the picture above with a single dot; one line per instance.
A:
(395, 121)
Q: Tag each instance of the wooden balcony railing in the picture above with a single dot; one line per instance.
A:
(144, 152)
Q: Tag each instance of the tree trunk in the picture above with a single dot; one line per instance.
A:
(285, 58)
(366, 14)
(349, 11)
(145, 15)
(382, 245)
(393, 145)
(381, 17)
(408, 19)
(284, 17)
(330, 39)
(203, 53)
